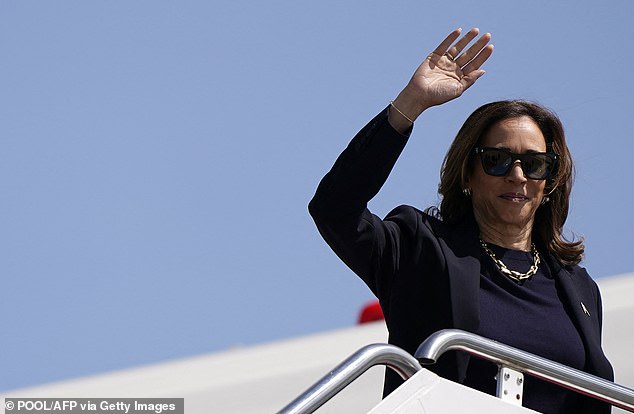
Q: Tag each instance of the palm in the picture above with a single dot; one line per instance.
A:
(439, 80)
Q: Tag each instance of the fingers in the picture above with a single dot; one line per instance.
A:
(444, 45)
(468, 80)
(479, 60)
(478, 52)
(473, 50)
(462, 43)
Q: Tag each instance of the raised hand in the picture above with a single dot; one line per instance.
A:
(445, 74)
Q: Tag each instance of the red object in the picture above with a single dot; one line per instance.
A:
(371, 312)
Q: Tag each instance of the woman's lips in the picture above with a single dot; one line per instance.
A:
(515, 197)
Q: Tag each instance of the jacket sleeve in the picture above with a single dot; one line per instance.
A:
(371, 247)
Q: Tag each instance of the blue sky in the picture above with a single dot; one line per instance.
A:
(158, 157)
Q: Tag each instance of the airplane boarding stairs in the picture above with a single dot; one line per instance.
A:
(426, 392)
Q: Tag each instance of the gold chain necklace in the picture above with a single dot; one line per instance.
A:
(512, 274)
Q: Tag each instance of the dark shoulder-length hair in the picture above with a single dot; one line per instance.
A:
(459, 162)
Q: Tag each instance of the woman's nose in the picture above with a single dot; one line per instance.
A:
(516, 174)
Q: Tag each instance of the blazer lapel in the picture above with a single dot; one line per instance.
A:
(581, 304)
(462, 252)
(464, 283)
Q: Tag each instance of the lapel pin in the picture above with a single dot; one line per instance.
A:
(585, 310)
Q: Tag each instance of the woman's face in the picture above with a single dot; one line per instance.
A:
(510, 201)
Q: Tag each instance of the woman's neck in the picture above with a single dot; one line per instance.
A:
(508, 236)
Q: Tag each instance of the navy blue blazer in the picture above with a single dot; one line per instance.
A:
(425, 273)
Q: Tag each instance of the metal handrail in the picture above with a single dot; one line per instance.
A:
(453, 339)
(349, 370)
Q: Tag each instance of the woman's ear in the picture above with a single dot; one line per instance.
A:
(548, 190)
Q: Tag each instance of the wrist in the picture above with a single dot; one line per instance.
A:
(403, 115)
(410, 104)
(403, 111)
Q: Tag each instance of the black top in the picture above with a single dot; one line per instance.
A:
(530, 316)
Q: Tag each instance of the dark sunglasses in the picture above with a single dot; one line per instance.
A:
(536, 165)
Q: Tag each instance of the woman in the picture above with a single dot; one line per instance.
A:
(491, 260)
